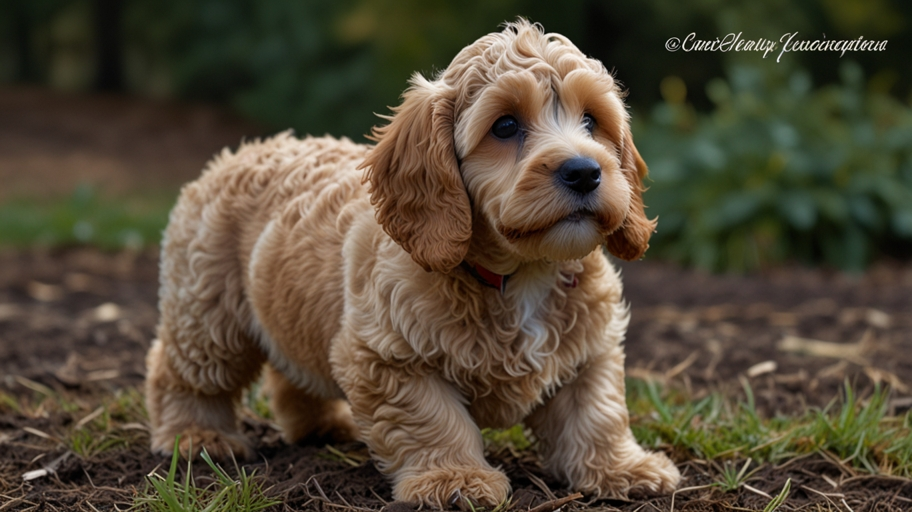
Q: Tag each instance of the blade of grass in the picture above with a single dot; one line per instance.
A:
(780, 498)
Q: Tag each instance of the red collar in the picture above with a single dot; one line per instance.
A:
(487, 277)
(499, 281)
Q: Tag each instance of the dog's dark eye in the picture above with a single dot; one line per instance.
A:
(505, 127)
(589, 122)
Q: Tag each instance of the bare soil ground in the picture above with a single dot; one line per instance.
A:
(50, 142)
(77, 323)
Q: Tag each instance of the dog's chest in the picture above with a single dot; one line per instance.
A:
(514, 358)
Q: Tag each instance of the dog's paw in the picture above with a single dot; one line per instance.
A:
(219, 445)
(446, 487)
(655, 474)
(649, 473)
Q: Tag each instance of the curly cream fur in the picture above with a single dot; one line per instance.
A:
(352, 292)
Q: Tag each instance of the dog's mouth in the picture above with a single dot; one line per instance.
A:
(579, 215)
(575, 218)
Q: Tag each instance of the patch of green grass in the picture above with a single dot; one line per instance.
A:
(95, 426)
(865, 436)
(353, 458)
(87, 443)
(9, 403)
(170, 494)
(731, 478)
(40, 402)
(109, 426)
(86, 217)
(858, 433)
(695, 425)
(258, 401)
(514, 439)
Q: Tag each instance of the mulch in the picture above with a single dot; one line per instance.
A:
(79, 322)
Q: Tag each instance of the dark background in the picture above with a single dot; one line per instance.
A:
(754, 162)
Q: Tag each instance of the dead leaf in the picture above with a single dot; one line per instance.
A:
(793, 378)
(89, 417)
(107, 312)
(102, 375)
(36, 432)
(553, 505)
(818, 348)
(837, 370)
(34, 386)
(645, 374)
(680, 367)
(70, 373)
(35, 474)
(762, 368)
(134, 426)
(46, 470)
(877, 375)
(44, 292)
(877, 318)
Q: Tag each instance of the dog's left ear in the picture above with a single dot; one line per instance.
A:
(415, 184)
(630, 241)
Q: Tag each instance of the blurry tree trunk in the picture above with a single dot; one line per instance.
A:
(109, 45)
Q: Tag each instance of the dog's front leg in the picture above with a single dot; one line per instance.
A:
(421, 434)
(586, 435)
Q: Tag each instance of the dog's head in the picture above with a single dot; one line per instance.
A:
(524, 132)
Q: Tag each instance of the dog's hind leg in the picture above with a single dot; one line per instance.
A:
(203, 359)
(203, 416)
(303, 414)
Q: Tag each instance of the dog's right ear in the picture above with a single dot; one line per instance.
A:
(631, 240)
(415, 184)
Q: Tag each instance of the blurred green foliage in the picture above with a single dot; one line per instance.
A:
(753, 161)
(318, 66)
(85, 218)
(325, 66)
(781, 171)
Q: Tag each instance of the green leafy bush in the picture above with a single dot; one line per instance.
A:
(779, 172)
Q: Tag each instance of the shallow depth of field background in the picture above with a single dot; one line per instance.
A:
(753, 162)
(791, 180)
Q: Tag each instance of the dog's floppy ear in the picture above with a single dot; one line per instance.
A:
(630, 241)
(415, 184)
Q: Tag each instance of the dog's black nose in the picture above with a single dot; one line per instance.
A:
(581, 174)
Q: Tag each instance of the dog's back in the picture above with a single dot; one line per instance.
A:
(219, 225)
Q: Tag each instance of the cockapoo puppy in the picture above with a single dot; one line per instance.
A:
(408, 294)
